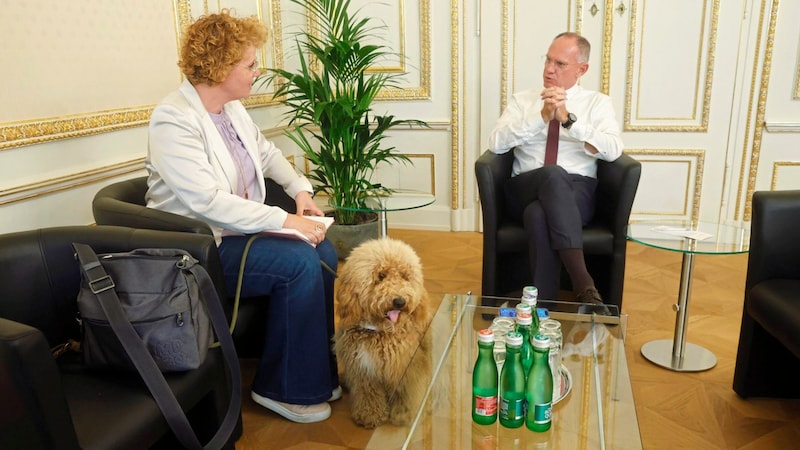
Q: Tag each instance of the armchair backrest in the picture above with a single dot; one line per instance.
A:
(123, 203)
(40, 278)
(616, 188)
(774, 240)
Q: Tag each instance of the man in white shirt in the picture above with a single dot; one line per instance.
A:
(554, 200)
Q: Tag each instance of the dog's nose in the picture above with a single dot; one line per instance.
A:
(398, 302)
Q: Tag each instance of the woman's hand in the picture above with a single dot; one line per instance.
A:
(306, 206)
(311, 229)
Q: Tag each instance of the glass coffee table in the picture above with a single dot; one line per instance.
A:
(398, 200)
(689, 238)
(596, 409)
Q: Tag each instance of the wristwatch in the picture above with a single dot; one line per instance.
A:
(570, 120)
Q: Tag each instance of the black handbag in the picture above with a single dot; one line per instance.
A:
(150, 309)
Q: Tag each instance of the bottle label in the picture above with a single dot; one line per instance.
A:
(512, 409)
(542, 413)
(485, 406)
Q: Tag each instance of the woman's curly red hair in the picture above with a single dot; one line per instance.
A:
(214, 43)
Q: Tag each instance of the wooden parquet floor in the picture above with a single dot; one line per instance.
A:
(675, 410)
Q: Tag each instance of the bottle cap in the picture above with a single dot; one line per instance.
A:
(541, 341)
(524, 319)
(486, 335)
(530, 292)
(514, 339)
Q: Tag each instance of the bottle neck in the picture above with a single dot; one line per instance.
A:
(540, 353)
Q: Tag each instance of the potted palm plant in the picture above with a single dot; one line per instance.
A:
(330, 104)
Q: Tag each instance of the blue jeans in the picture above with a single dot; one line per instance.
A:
(297, 364)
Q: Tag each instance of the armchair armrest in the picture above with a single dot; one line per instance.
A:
(491, 172)
(29, 381)
(617, 182)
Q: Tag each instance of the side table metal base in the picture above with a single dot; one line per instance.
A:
(695, 357)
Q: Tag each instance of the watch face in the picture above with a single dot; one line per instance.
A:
(571, 118)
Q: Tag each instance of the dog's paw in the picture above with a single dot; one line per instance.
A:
(369, 422)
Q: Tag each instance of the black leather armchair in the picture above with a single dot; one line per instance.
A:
(60, 404)
(123, 204)
(768, 358)
(506, 266)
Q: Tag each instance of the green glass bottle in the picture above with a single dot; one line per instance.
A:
(484, 381)
(539, 387)
(512, 384)
(524, 321)
(530, 296)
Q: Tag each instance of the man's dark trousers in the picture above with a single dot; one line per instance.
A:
(554, 206)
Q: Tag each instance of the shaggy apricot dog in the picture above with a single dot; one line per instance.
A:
(383, 312)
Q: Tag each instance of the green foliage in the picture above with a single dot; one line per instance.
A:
(333, 104)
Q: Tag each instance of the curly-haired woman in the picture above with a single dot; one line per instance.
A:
(207, 159)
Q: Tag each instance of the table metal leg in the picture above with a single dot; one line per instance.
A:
(383, 218)
(679, 355)
(384, 224)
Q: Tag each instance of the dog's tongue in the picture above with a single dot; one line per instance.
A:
(393, 315)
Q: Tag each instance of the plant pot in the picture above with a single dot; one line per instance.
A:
(347, 237)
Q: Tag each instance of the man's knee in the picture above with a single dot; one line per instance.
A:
(554, 175)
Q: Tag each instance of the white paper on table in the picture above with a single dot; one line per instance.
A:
(682, 232)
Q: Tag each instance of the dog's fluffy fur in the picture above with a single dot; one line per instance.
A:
(383, 312)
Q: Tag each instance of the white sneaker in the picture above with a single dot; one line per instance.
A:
(336, 394)
(295, 413)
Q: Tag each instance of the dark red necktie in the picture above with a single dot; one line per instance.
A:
(551, 149)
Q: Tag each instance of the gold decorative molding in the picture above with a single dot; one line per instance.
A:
(707, 89)
(423, 91)
(67, 182)
(16, 134)
(777, 165)
(739, 207)
(608, 27)
(455, 99)
(797, 81)
(699, 158)
(578, 16)
(766, 68)
(430, 157)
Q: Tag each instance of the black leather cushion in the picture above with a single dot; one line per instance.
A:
(64, 405)
(768, 303)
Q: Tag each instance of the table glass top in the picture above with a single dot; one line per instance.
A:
(398, 200)
(695, 237)
(597, 412)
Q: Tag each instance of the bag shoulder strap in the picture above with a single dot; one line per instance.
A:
(102, 286)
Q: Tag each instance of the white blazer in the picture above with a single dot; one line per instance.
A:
(192, 173)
